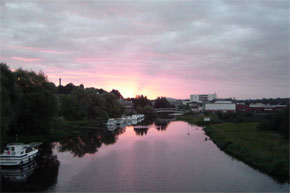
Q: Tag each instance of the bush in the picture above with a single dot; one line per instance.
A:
(264, 125)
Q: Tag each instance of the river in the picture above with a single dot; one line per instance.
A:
(161, 157)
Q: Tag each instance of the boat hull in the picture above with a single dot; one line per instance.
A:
(6, 160)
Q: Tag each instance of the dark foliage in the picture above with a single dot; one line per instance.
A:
(162, 102)
(117, 93)
(67, 89)
(140, 101)
(28, 102)
(278, 121)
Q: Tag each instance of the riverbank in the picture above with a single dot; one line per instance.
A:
(266, 151)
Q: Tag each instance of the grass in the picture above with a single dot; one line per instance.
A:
(266, 151)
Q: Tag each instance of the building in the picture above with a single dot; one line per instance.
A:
(265, 108)
(185, 102)
(242, 107)
(220, 106)
(202, 97)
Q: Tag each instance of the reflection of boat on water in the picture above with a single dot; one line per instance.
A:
(19, 174)
(17, 154)
(140, 127)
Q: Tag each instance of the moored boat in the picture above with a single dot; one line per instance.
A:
(17, 154)
(111, 122)
(120, 121)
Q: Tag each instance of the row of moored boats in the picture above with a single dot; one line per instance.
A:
(123, 121)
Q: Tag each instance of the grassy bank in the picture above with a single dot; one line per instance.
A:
(267, 151)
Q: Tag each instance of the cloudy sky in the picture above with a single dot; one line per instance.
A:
(157, 48)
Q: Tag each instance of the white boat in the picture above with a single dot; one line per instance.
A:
(111, 122)
(17, 154)
(120, 121)
(140, 117)
(128, 120)
(134, 122)
(111, 127)
(134, 117)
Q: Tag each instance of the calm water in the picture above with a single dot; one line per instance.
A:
(163, 157)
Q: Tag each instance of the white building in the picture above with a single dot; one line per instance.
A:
(223, 107)
(202, 97)
(185, 102)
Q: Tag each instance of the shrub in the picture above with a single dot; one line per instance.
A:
(264, 125)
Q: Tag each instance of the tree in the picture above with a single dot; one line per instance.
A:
(278, 121)
(67, 89)
(112, 104)
(162, 102)
(149, 112)
(141, 101)
(37, 105)
(10, 97)
(117, 93)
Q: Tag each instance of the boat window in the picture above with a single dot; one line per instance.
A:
(29, 149)
(12, 148)
(22, 152)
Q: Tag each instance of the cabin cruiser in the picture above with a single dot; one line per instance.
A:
(134, 117)
(120, 121)
(128, 120)
(111, 127)
(111, 122)
(17, 154)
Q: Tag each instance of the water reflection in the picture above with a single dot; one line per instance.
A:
(32, 177)
(146, 163)
(89, 140)
(162, 124)
(140, 131)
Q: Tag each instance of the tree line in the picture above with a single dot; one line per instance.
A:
(30, 104)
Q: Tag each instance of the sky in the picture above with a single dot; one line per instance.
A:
(170, 48)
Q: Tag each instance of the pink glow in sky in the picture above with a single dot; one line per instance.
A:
(25, 59)
(162, 48)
